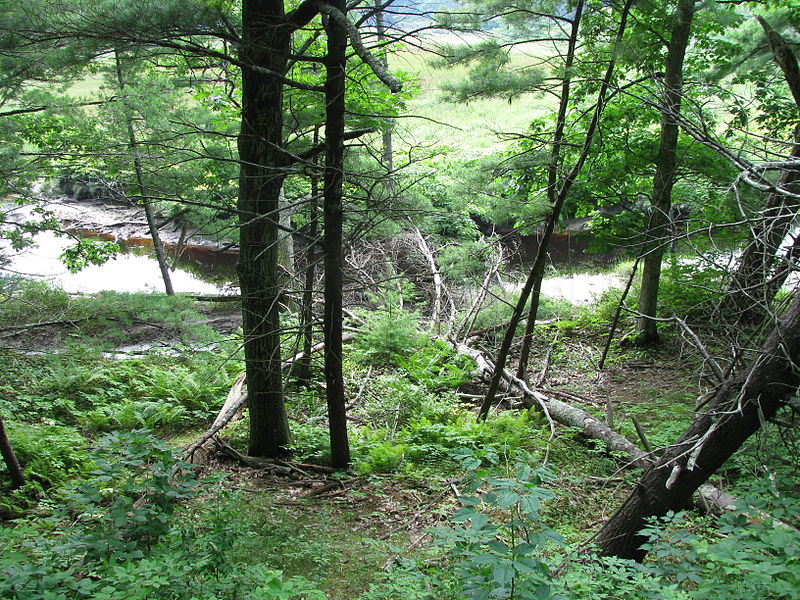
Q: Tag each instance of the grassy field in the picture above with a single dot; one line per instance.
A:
(472, 129)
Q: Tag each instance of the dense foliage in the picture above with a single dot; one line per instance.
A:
(176, 106)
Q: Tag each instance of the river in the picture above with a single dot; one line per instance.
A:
(201, 268)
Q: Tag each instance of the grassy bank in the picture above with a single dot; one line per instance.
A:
(430, 494)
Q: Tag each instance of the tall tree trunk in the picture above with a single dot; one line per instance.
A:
(265, 45)
(658, 229)
(285, 240)
(535, 276)
(553, 169)
(749, 298)
(12, 464)
(307, 308)
(336, 63)
(158, 247)
(736, 412)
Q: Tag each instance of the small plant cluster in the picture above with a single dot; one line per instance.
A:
(119, 534)
(497, 541)
(53, 405)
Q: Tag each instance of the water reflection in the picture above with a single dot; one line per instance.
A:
(199, 270)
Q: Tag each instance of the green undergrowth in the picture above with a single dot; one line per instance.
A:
(55, 403)
(141, 525)
(102, 316)
(332, 546)
(112, 514)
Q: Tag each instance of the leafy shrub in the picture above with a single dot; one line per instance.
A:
(50, 455)
(376, 451)
(310, 443)
(754, 559)
(435, 365)
(117, 537)
(611, 578)
(391, 400)
(496, 539)
(430, 440)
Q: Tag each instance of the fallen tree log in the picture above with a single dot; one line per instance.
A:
(234, 404)
(710, 499)
(561, 412)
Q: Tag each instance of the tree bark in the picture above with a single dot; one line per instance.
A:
(12, 464)
(336, 63)
(658, 229)
(749, 298)
(265, 44)
(737, 411)
(307, 307)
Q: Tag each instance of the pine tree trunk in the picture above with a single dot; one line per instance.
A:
(265, 44)
(336, 61)
(307, 308)
(658, 230)
(729, 419)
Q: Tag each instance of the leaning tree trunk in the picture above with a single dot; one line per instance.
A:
(749, 296)
(265, 46)
(336, 63)
(658, 228)
(12, 464)
(736, 412)
(149, 213)
(538, 267)
(553, 169)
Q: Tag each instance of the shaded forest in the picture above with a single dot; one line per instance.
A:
(486, 300)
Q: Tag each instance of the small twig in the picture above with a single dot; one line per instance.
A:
(543, 373)
(615, 321)
(357, 397)
(640, 432)
(332, 486)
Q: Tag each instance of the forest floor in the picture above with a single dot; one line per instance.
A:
(344, 530)
(78, 366)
